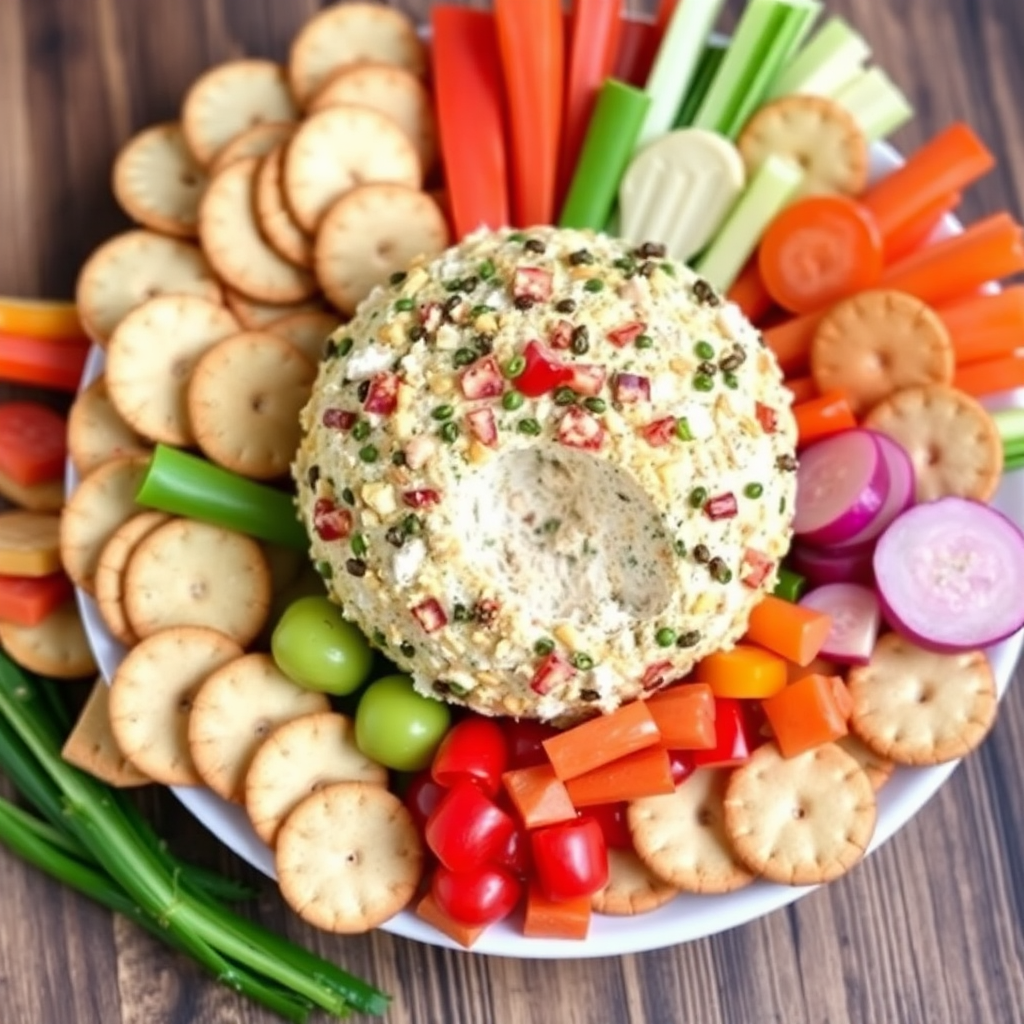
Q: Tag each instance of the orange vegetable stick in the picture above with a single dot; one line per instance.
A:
(952, 160)
(803, 388)
(538, 795)
(912, 235)
(791, 341)
(645, 773)
(546, 919)
(986, 326)
(33, 445)
(532, 45)
(818, 667)
(39, 318)
(946, 271)
(465, 935)
(27, 601)
(804, 715)
(42, 361)
(829, 414)
(593, 744)
(842, 697)
(685, 716)
(749, 293)
(743, 672)
(790, 630)
(990, 377)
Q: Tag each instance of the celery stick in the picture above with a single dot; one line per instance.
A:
(1010, 424)
(774, 184)
(1013, 464)
(676, 63)
(877, 105)
(766, 37)
(710, 62)
(832, 59)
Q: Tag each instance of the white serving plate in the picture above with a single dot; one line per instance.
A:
(687, 917)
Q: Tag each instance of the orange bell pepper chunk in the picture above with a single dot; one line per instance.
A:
(805, 715)
(546, 919)
(41, 318)
(796, 633)
(465, 935)
(538, 795)
(744, 672)
(685, 716)
(601, 740)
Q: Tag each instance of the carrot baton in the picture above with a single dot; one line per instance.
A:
(991, 377)
(986, 326)
(791, 341)
(918, 230)
(40, 318)
(749, 293)
(829, 414)
(803, 389)
(42, 361)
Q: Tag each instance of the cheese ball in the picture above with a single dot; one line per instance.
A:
(547, 472)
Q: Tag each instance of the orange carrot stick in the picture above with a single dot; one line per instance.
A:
(645, 773)
(685, 716)
(829, 414)
(749, 293)
(465, 935)
(912, 235)
(41, 318)
(791, 342)
(538, 795)
(547, 919)
(986, 326)
(803, 388)
(790, 630)
(991, 377)
(805, 715)
(601, 740)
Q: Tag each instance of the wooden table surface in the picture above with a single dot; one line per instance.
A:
(927, 931)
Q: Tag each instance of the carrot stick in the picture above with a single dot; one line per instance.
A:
(465, 935)
(470, 101)
(42, 361)
(917, 231)
(828, 414)
(27, 601)
(791, 341)
(601, 740)
(990, 377)
(645, 773)
(594, 43)
(986, 326)
(532, 45)
(638, 46)
(538, 795)
(948, 163)
(790, 630)
(685, 716)
(546, 919)
(803, 389)
(749, 293)
(40, 318)
(954, 268)
(805, 715)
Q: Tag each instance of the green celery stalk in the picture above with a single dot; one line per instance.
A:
(790, 586)
(829, 61)
(185, 485)
(1010, 465)
(710, 61)
(676, 63)
(1010, 424)
(767, 35)
(875, 102)
(771, 188)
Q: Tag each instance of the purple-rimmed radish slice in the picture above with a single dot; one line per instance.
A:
(832, 565)
(841, 486)
(949, 575)
(856, 617)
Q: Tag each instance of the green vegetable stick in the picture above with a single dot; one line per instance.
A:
(790, 586)
(710, 62)
(877, 105)
(832, 59)
(611, 139)
(772, 187)
(677, 62)
(1010, 424)
(185, 485)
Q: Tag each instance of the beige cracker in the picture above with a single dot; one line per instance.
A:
(801, 820)
(254, 316)
(273, 217)
(151, 698)
(235, 247)
(877, 768)
(133, 267)
(681, 836)
(308, 331)
(101, 503)
(231, 98)
(157, 182)
(258, 140)
(300, 758)
(919, 707)
(187, 573)
(91, 745)
(244, 401)
(29, 543)
(45, 497)
(96, 432)
(351, 33)
(370, 233)
(336, 150)
(632, 887)
(349, 857)
(234, 711)
(56, 647)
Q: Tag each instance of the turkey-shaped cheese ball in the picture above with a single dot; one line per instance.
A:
(547, 472)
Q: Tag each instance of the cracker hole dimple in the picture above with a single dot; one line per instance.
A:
(257, 403)
(188, 179)
(262, 727)
(799, 812)
(704, 817)
(933, 454)
(385, 249)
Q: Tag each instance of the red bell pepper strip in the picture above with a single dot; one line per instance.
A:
(41, 318)
(471, 117)
(42, 361)
(532, 45)
(645, 773)
(601, 740)
(27, 601)
(638, 46)
(33, 442)
(805, 715)
(735, 737)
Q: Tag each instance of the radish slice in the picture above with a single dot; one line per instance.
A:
(832, 565)
(842, 484)
(856, 616)
(949, 575)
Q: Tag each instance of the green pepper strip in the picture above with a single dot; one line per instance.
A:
(790, 586)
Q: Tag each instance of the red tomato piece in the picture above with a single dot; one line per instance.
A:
(580, 429)
(330, 521)
(422, 797)
(474, 749)
(525, 737)
(613, 824)
(543, 373)
(482, 426)
(480, 896)
(467, 828)
(631, 388)
(33, 443)
(382, 398)
(482, 379)
(570, 859)
(516, 856)
(430, 615)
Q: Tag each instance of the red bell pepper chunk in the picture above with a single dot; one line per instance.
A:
(681, 764)
(339, 419)
(483, 427)
(467, 828)
(482, 379)
(476, 898)
(27, 601)
(330, 521)
(767, 417)
(423, 497)
(542, 373)
(430, 615)
(755, 568)
(626, 334)
(532, 283)
(735, 737)
(525, 738)
(475, 749)
(612, 819)
(570, 859)
(660, 432)
(382, 398)
(553, 671)
(580, 429)
(722, 506)
(631, 388)
(33, 443)
(587, 379)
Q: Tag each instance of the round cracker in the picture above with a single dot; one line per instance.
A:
(352, 33)
(157, 181)
(632, 887)
(801, 820)
(393, 91)
(307, 331)
(150, 360)
(349, 857)
(187, 573)
(96, 432)
(920, 707)
(235, 709)
(255, 316)
(817, 133)
(231, 98)
(300, 758)
(950, 438)
(274, 218)
(878, 769)
(235, 247)
(369, 234)
(100, 504)
(681, 838)
(29, 543)
(244, 401)
(56, 647)
(336, 150)
(151, 698)
(257, 141)
(110, 572)
(134, 267)
(879, 342)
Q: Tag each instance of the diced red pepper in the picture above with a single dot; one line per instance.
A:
(660, 432)
(579, 429)
(735, 737)
(553, 671)
(482, 426)
(722, 506)
(382, 398)
(430, 615)
(339, 419)
(626, 334)
(482, 379)
(485, 611)
(767, 417)
(655, 676)
(631, 388)
(532, 283)
(681, 765)
(756, 567)
(587, 379)
(431, 315)
(424, 497)
(561, 335)
(330, 521)
(542, 373)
